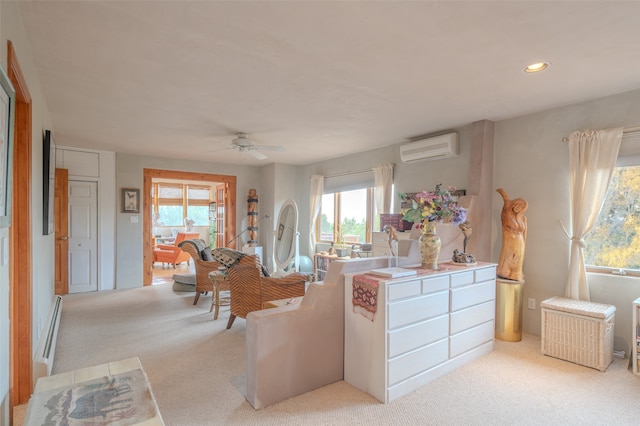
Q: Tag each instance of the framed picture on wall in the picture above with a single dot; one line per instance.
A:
(130, 200)
(48, 182)
(7, 106)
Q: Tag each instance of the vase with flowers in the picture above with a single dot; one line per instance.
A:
(430, 208)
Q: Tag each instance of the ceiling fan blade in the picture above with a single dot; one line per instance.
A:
(269, 147)
(256, 154)
(222, 149)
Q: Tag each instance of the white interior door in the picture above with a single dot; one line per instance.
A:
(83, 239)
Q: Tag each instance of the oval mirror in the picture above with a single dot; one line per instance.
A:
(286, 235)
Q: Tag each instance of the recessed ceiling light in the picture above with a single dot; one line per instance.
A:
(537, 67)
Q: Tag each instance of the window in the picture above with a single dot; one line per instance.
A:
(614, 240)
(175, 201)
(345, 217)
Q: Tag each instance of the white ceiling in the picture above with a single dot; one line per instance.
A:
(322, 79)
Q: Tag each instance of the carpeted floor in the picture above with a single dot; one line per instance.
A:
(196, 368)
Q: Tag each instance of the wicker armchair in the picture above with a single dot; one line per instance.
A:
(203, 267)
(250, 289)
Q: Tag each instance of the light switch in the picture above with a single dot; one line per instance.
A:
(134, 219)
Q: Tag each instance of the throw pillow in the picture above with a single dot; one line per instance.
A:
(265, 271)
(226, 256)
(206, 255)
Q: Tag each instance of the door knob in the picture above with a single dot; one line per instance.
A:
(64, 238)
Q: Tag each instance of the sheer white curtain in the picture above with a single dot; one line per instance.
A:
(383, 175)
(592, 159)
(317, 187)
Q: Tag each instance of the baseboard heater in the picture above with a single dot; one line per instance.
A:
(43, 361)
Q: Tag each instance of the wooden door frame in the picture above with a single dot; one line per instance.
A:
(148, 176)
(20, 237)
(61, 233)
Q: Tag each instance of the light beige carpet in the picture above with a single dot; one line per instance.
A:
(196, 368)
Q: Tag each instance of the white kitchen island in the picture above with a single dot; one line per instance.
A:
(424, 327)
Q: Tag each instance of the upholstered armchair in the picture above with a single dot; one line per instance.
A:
(171, 253)
(250, 289)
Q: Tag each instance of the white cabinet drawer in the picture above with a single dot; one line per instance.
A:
(412, 363)
(471, 338)
(426, 325)
(408, 311)
(486, 274)
(403, 290)
(435, 284)
(414, 336)
(474, 294)
(470, 317)
(462, 278)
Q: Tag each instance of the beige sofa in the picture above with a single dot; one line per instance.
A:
(294, 349)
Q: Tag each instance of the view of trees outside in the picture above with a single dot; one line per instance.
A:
(199, 214)
(171, 215)
(614, 240)
(353, 217)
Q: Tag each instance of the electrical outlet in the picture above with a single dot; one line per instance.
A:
(532, 303)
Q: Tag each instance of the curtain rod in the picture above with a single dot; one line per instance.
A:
(627, 130)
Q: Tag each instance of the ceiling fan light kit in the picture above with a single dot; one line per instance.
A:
(243, 144)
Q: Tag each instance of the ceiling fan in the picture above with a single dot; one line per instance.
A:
(243, 144)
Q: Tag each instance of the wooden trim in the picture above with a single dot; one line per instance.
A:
(62, 232)
(18, 81)
(148, 176)
(20, 237)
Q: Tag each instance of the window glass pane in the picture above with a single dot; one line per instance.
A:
(614, 240)
(199, 214)
(171, 215)
(326, 217)
(353, 216)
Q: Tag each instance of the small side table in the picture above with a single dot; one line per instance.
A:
(220, 282)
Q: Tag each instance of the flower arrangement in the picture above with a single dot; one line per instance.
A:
(434, 206)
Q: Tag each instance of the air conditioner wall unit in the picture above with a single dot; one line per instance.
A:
(434, 148)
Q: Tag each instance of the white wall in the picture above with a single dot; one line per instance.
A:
(531, 162)
(42, 246)
(129, 172)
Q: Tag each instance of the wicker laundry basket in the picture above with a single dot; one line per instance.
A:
(578, 331)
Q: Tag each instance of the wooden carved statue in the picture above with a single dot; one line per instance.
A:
(252, 217)
(465, 227)
(514, 235)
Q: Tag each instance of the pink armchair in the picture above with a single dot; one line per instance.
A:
(171, 253)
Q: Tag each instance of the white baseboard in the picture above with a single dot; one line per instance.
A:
(45, 352)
